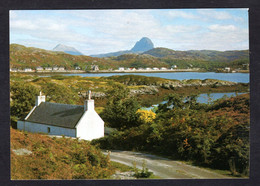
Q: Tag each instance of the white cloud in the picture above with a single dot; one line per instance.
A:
(182, 14)
(222, 28)
(100, 31)
(23, 25)
(182, 29)
(209, 14)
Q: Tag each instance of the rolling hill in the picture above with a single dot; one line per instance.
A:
(205, 55)
(23, 57)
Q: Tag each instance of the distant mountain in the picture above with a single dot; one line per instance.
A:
(140, 46)
(67, 49)
(143, 45)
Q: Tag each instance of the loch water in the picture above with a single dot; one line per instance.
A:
(234, 77)
(204, 98)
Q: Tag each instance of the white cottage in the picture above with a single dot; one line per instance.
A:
(63, 119)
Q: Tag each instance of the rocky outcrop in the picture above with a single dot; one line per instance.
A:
(93, 94)
(145, 90)
(123, 175)
(193, 82)
(153, 87)
(21, 152)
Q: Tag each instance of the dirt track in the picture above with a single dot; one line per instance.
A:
(163, 167)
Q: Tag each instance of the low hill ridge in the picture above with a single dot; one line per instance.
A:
(29, 57)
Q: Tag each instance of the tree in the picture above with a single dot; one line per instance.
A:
(232, 150)
(121, 108)
(22, 99)
(191, 101)
(59, 94)
(174, 101)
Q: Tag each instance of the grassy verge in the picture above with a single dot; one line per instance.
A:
(218, 171)
(121, 167)
(141, 174)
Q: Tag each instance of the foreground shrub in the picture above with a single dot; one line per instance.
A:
(57, 158)
(216, 135)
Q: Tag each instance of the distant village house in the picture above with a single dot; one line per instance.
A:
(94, 67)
(227, 69)
(39, 69)
(55, 68)
(13, 69)
(163, 68)
(174, 66)
(27, 70)
(245, 66)
(48, 68)
(61, 69)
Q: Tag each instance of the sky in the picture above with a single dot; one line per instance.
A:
(103, 31)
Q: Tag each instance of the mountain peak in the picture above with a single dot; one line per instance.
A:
(67, 49)
(143, 45)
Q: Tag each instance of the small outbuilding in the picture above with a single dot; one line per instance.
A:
(64, 119)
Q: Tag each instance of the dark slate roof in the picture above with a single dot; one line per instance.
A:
(56, 114)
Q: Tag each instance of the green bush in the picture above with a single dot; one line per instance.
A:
(144, 173)
(214, 135)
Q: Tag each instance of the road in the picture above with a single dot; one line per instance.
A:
(163, 167)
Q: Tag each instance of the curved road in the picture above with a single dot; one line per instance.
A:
(163, 167)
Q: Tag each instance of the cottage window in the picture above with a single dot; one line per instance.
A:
(49, 129)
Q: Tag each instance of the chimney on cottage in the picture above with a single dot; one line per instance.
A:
(89, 103)
(39, 99)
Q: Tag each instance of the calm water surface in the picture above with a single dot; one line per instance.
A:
(235, 77)
(204, 98)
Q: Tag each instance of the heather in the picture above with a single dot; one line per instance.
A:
(56, 158)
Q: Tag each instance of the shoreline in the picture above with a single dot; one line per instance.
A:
(122, 71)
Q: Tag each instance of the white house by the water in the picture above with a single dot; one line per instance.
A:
(64, 119)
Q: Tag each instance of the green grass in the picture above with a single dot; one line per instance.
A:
(218, 171)
(121, 167)
(125, 168)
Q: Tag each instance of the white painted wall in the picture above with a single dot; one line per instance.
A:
(20, 125)
(90, 126)
(36, 127)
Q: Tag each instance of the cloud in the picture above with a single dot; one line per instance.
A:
(213, 14)
(222, 28)
(101, 31)
(182, 29)
(182, 14)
